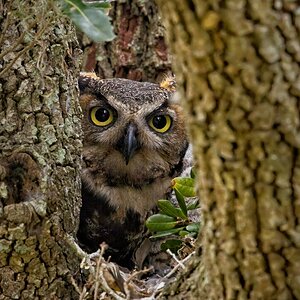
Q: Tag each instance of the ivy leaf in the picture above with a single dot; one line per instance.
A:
(173, 245)
(91, 20)
(160, 222)
(169, 209)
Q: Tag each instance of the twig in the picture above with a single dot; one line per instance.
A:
(176, 259)
(37, 36)
(97, 278)
(130, 278)
(136, 273)
(178, 265)
(75, 285)
(21, 37)
(100, 275)
(12, 48)
(107, 288)
(83, 293)
(7, 20)
(98, 265)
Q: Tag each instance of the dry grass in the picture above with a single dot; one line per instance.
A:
(106, 280)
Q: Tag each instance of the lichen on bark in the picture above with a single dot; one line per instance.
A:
(40, 143)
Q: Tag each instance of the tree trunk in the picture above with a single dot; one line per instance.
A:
(138, 52)
(40, 143)
(238, 65)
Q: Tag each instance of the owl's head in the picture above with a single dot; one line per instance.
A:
(132, 132)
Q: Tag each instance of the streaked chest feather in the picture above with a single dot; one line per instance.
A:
(138, 199)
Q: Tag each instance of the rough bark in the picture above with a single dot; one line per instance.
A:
(138, 52)
(40, 152)
(238, 65)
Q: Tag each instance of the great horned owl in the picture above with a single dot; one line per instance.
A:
(134, 143)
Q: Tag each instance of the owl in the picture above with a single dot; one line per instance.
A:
(134, 144)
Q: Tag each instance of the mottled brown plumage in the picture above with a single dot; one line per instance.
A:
(129, 160)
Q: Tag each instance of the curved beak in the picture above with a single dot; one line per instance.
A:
(128, 144)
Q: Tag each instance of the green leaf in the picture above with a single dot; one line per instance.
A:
(193, 234)
(193, 204)
(194, 227)
(183, 233)
(173, 245)
(102, 5)
(99, 4)
(181, 202)
(167, 232)
(91, 20)
(185, 185)
(169, 209)
(186, 181)
(160, 222)
(193, 172)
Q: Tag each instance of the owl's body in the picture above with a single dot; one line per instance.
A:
(134, 143)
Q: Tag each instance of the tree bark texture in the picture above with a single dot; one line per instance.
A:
(40, 144)
(138, 52)
(238, 65)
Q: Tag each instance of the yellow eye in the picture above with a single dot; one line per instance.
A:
(160, 123)
(101, 116)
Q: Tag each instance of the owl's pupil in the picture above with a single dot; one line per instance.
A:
(102, 114)
(159, 122)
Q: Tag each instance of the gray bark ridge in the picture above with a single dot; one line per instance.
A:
(40, 142)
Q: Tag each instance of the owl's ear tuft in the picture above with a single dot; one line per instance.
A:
(168, 83)
(84, 80)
